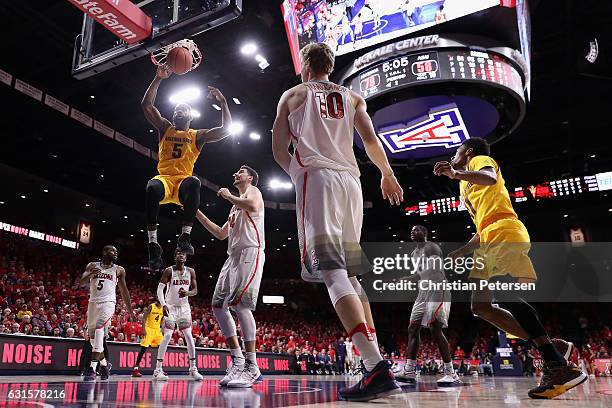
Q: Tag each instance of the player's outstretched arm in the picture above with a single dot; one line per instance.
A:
(125, 294)
(486, 176)
(218, 232)
(251, 202)
(150, 111)
(281, 134)
(217, 133)
(90, 269)
(391, 189)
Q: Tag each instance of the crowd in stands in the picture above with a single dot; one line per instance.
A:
(40, 295)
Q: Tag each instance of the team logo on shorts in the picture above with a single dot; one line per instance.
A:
(442, 126)
(314, 260)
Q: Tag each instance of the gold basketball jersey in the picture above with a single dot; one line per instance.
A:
(154, 318)
(178, 152)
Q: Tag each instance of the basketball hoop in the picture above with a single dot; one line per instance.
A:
(159, 56)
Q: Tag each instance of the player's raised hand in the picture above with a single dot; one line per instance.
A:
(163, 71)
(444, 168)
(391, 190)
(166, 310)
(224, 193)
(216, 93)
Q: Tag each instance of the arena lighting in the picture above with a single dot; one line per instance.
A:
(195, 114)
(249, 48)
(217, 107)
(276, 184)
(254, 135)
(262, 62)
(236, 101)
(23, 196)
(236, 128)
(270, 300)
(186, 95)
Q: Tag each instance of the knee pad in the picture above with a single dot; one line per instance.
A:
(247, 322)
(226, 321)
(338, 284)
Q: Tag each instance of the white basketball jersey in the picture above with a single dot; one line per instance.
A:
(179, 279)
(246, 230)
(322, 130)
(103, 285)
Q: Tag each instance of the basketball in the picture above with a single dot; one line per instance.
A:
(179, 60)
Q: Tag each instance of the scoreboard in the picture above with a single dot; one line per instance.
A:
(547, 190)
(440, 65)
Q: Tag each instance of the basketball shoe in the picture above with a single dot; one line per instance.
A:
(155, 256)
(248, 376)
(90, 374)
(557, 379)
(567, 350)
(232, 372)
(377, 383)
(183, 244)
(136, 373)
(159, 375)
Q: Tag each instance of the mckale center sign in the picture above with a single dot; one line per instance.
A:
(20, 354)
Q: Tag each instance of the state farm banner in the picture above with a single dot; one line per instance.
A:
(20, 354)
(120, 17)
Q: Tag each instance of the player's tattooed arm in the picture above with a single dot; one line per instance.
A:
(150, 111)
(193, 288)
(218, 232)
(125, 294)
(468, 248)
(251, 202)
(281, 133)
(90, 270)
(486, 176)
(221, 132)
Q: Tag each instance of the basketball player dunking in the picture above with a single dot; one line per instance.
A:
(238, 283)
(504, 244)
(431, 309)
(179, 148)
(179, 283)
(319, 118)
(151, 330)
(103, 277)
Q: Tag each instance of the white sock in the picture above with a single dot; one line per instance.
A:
(410, 366)
(370, 354)
(448, 368)
(186, 229)
(103, 362)
(152, 236)
(238, 357)
(94, 365)
(252, 357)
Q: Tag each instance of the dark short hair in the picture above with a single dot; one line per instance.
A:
(479, 146)
(107, 247)
(320, 56)
(176, 251)
(422, 228)
(252, 173)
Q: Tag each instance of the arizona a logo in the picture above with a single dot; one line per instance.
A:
(441, 126)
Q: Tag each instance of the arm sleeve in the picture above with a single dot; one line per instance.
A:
(480, 162)
(160, 293)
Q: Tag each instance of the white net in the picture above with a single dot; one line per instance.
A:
(159, 56)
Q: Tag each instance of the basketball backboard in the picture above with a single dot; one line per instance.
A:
(97, 49)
